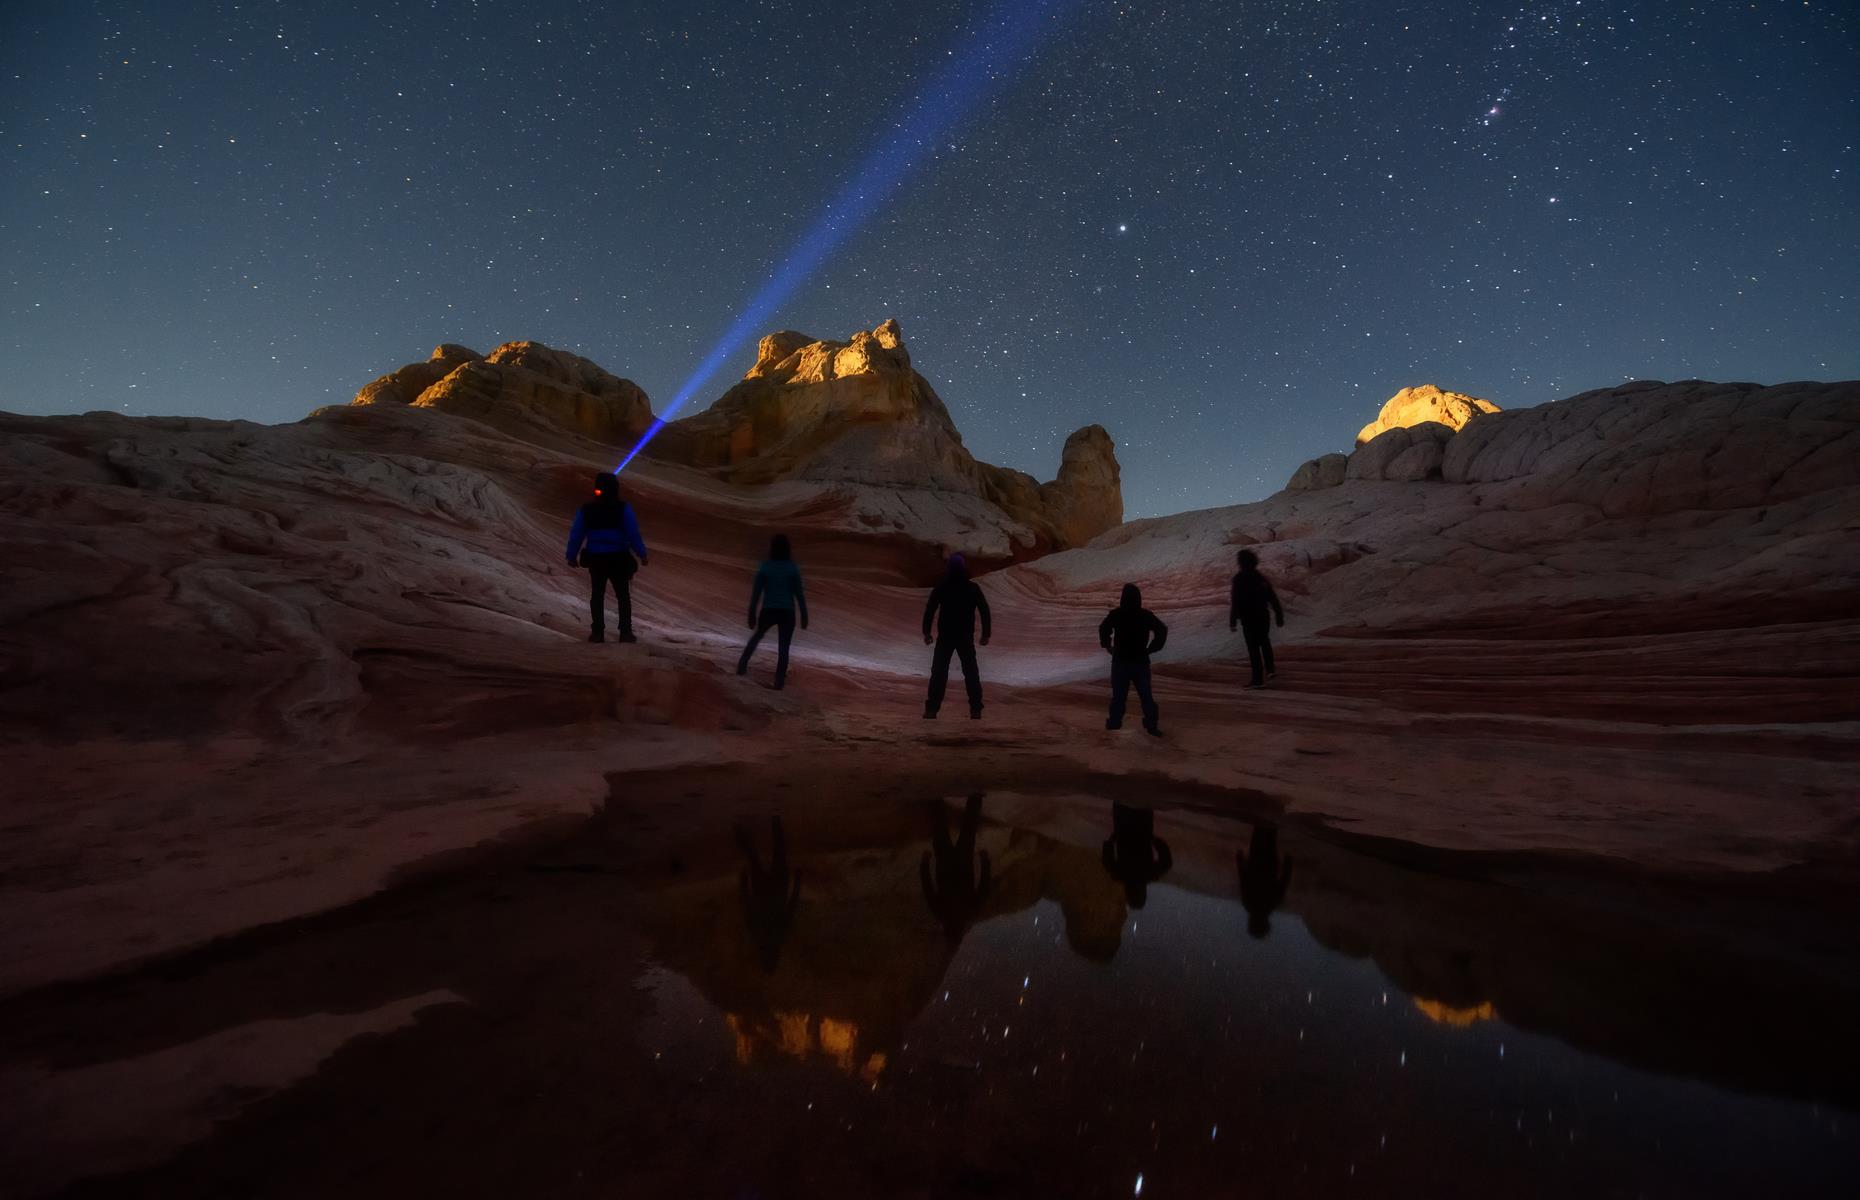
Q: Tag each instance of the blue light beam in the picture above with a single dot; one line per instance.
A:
(982, 67)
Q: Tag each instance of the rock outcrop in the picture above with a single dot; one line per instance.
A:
(405, 385)
(1325, 471)
(852, 414)
(856, 412)
(1427, 403)
(526, 389)
(1406, 443)
(1405, 454)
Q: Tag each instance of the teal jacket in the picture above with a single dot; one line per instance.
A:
(778, 586)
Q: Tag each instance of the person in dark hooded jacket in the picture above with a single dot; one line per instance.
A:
(1253, 601)
(1132, 633)
(953, 606)
(604, 539)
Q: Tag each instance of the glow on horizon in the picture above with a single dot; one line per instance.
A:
(1011, 32)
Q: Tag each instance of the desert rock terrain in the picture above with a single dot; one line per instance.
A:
(257, 671)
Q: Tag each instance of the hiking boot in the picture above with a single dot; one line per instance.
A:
(975, 714)
(1150, 728)
(1110, 724)
(596, 636)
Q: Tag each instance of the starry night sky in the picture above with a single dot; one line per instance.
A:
(1226, 230)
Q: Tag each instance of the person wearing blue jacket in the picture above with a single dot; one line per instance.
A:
(778, 590)
(604, 539)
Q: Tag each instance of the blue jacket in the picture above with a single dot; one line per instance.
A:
(604, 531)
(778, 586)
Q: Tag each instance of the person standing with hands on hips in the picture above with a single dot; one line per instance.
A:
(953, 606)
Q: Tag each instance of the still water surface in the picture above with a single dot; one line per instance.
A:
(1009, 995)
(1099, 1000)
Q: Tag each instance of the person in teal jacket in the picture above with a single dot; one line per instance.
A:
(778, 591)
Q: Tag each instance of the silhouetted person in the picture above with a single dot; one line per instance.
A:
(609, 531)
(953, 890)
(1132, 633)
(769, 896)
(1254, 602)
(1134, 855)
(778, 590)
(1263, 878)
(953, 606)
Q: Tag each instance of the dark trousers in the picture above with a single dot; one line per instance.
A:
(1258, 633)
(782, 621)
(616, 569)
(939, 674)
(1123, 675)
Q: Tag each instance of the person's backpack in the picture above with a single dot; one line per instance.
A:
(631, 564)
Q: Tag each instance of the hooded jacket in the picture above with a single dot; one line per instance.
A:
(1131, 632)
(958, 599)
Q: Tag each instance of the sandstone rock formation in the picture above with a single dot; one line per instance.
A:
(1415, 405)
(1405, 454)
(856, 412)
(526, 389)
(853, 416)
(1325, 471)
(279, 661)
(405, 385)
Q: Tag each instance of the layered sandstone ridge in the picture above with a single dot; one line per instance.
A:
(857, 412)
(523, 388)
(1643, 448)
(853, 416)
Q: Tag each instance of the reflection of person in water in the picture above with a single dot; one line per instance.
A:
(1263, 878)
(952, 887)
(769, 896)
(1133, 854)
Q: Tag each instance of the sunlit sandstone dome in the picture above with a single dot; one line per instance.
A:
(1406, 442)
(522, 388)
(852, 412)
(1418, 405)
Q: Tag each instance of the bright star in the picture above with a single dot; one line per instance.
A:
(1122, 228)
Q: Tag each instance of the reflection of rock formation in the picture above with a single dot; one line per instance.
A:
(1456, 1016)
(866, 952)
(869, 955)
(801, 1036)
(856, 412)
(1656, 988)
